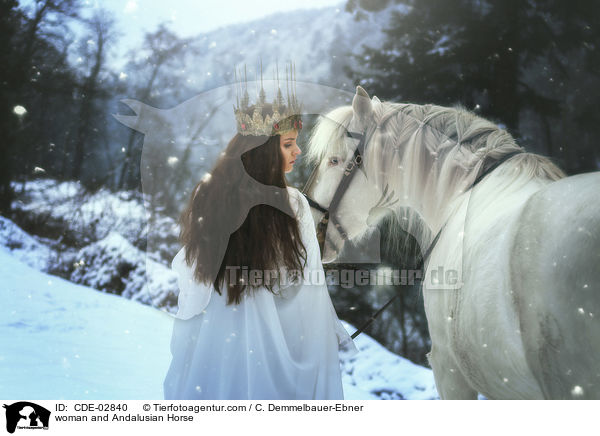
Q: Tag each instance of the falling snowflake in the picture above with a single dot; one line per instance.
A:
(19, 110)
(130, 7)
(577, 391)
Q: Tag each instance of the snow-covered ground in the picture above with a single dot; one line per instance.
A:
(109, 230)
(60, 340)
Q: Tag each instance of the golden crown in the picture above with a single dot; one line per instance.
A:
(284, 118)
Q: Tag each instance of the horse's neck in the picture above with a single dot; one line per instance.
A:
(435, 170)
(446, 198)
(435, 197)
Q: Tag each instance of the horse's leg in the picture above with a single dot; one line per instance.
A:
(449, 381)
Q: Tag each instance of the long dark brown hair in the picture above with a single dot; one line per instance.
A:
(267, 239)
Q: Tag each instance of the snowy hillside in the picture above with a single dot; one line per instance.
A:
(100, 240)
(60, 340)
(319, 41)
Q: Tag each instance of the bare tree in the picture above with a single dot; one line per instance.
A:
(101, 26)
(47, 14)
(161, 49)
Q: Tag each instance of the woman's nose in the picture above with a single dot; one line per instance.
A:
(298, 151)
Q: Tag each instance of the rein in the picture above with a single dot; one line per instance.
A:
(349, 171)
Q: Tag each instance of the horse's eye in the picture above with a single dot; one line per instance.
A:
(333, 161)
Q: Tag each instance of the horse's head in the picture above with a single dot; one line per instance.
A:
(333, 146)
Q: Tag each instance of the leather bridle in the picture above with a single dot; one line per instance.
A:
(349, 171)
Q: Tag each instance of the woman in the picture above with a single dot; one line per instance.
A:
(251, 323)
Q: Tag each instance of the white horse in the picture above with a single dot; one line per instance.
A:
(522, 320)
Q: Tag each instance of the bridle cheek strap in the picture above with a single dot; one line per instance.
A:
(349, 172)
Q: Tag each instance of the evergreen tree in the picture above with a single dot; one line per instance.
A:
(500, 58)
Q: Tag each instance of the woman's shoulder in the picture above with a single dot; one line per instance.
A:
(297, 200)
(296, 194)
(292, 190)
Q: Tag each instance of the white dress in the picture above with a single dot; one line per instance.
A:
(270, 346)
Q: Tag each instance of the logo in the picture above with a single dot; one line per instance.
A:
(26, 415)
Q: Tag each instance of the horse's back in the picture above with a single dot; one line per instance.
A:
(555, 275)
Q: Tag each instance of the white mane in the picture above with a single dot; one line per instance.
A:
(434, 153)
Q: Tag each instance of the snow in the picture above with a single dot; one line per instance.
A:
(65, 341)
(381, 374)
(61, 340)
(19, 110)
(91, 215)
(24, 247)
(114, 265)
(111, 265)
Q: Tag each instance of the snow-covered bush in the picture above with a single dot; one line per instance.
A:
(23, 246)
(66, 212)
(97, 239)
(115, 266)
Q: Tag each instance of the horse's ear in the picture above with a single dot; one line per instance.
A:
(376, 100)
(134, 121)
(361, 104)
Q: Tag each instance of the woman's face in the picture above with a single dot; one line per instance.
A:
(289, 149)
